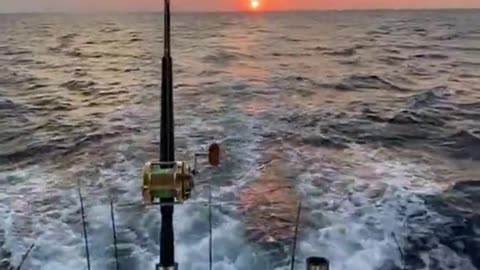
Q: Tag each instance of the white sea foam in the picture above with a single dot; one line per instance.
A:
(361, 225)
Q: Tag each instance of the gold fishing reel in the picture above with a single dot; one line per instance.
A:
(162, 180)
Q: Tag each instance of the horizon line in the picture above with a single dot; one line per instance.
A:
(239, 11)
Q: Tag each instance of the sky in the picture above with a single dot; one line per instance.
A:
(224, 5)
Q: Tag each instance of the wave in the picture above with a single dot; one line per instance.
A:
(320, 49)
(379, 32)
(50, 104)
(319, 140)
(34, 86)
(7, 104)
(408, 117)
(448, 36)
(108, 41)
(65, 42)
(290, 54)
(368, 82)
(28, 152)
(469, 106)
(78, 85)
(38, 151)
(69, 36)
(16, 52)
(418, 46)
(78, 53)
(428, 128)
(110, 30)
(431, 56)
(361, 82)
(221, 57)
(458, 229)
(464, 145)
(294, 40)
(463, 48)
(209, 73)
(393, 59)
(428, 97)
(469, 76)
(472, 64)
(341, 52)
(439, 231)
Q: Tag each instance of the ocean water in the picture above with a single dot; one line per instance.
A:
(371, 119)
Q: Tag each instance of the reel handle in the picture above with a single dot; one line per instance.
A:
(213, 155)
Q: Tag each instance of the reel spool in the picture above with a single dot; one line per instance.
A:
(173, 179)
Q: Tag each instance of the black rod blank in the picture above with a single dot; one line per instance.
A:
(24, 257)
(167, 145)
(295, 236)
(114, 231)
(210, 240)
(84, 224)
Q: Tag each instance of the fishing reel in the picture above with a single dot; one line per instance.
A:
(163, 180)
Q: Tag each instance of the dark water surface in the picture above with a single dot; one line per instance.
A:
(372, 118)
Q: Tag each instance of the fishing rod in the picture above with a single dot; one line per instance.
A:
(168, 182)
(25, 256)
(312, 263)
(84, 225)
(295, 236)
(114, 233)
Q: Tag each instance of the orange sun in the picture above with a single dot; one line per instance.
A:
(255, 4)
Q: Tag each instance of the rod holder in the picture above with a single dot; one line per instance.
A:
(159, 267)
(317, 263)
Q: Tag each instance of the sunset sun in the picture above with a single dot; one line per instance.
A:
(255, 4)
